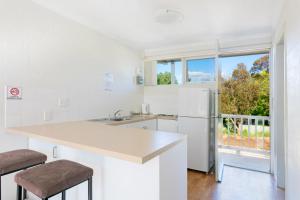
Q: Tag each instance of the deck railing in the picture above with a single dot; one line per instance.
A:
(246, 131)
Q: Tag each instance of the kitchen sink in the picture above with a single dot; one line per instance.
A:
(111, 119)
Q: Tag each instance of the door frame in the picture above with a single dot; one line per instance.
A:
(269, 50)
(279, 55)
(219, 165)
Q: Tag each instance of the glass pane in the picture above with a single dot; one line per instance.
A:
(164, 74)
(245, 104)
(245, 86)
(252, 63)
(169, 72)
(201, 70)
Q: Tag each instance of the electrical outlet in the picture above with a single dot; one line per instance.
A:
(63, 102)
(48, 116)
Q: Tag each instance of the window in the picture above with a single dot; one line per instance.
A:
(200, 70)
(245, 84)
(169, 72)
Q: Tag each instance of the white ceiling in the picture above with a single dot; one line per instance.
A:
(132, 21)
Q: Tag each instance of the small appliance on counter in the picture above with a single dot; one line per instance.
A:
(145, 109)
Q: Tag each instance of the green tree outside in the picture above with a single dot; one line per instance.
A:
(164, 78)
(247, 92)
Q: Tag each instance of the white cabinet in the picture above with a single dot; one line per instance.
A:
(167, 125)
(148, 124)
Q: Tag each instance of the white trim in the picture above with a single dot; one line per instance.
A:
(199, 57)
(271, 106)
(184, 71)
(285, 112)
(245, 52)
(218, 159)
(245, 49)
(210, 48)
(183, 51)
(180, 55)
(280, 37)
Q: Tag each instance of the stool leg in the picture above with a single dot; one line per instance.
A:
(0, 187)
(19, 193)
(24, 194)
(24, 191)
(90, 188)
(63, 195)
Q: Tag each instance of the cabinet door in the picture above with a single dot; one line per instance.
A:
(167, 125)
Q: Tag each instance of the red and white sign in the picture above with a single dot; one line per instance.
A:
(14, 92)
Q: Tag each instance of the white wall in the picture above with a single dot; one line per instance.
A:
(51, 57)
(163, 99)
(293, 99)
(292, 42)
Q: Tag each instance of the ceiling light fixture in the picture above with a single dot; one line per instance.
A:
(168, 16)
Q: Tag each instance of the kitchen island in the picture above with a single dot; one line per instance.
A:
(129, 163)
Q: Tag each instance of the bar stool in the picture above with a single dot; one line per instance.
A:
(17, 160)
(48, 180)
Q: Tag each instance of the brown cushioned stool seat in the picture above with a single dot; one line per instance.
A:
(53, 178)
(19, 159)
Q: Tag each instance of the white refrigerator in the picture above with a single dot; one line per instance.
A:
(195, 119)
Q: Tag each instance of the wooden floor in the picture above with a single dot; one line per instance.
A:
(237, 184)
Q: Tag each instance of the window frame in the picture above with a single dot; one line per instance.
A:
(173, 71)
(186, 82)
(185, 73)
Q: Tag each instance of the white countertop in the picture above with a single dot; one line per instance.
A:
(130, 144)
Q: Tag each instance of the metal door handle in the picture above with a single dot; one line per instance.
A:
(54, 152)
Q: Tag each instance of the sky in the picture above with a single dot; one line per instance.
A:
(204, 69)
(207, 72)
(229, 63)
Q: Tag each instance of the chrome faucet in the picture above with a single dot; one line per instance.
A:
(117, 114)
